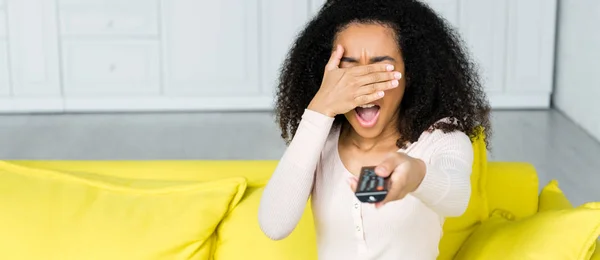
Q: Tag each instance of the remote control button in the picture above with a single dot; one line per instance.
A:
(379, 188)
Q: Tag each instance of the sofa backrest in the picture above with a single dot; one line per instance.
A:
(490, 185)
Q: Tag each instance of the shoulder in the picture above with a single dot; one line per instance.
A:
(447, 147)
(437, 139)
(330, 150)
(437, 136)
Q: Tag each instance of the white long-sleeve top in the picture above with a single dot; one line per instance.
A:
(347, 229)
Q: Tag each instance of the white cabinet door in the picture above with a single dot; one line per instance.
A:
(110, 48)
(482, 24)
(211, 48)
(4, 72)
(531, 30)
(131, 18)
(111, 68)
(33, 48)
(281, 22)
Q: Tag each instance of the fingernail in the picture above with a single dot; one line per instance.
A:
(395, 83)
(380, 170)
(398, 75)
(380, 93)
(390, 67)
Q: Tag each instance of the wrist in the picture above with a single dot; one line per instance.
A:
(321, 110)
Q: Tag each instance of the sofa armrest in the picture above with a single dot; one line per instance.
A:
(512, 186)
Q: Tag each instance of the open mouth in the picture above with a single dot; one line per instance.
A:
(367, 115)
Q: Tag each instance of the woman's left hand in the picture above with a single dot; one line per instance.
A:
(405, 175)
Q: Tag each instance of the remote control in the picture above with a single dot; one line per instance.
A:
(371, 188)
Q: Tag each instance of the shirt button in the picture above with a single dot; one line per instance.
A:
(356, 205)
(357, 228)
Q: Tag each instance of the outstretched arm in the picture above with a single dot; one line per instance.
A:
(285, 196)
(446, 186)
(442, 183)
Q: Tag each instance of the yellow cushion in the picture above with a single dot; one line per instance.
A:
(240, 237)
(456, 230)
(54, 215)
(256, 172)
(556, 234)
(513, 187)
(553, 198)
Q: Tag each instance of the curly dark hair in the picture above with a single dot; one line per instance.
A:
(441, 79)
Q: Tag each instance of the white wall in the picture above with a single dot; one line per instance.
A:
(577, 90)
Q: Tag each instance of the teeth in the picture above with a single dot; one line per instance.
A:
(367, 106)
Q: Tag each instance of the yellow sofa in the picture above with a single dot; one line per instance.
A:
(231, 230)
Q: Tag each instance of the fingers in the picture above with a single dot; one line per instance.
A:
(375, 87)
(335, 59)
(385, 168)
(371, 86)
(397, 185)
(396, 192)
(372, 68)
(377, 77)
(366, 99)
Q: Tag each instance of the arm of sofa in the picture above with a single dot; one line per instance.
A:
(513, 187)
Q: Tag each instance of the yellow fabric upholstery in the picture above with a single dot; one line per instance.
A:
(257, 173)
(553, 198)
(55, 215)
(240, 236)
(553, 234)
(511, 187)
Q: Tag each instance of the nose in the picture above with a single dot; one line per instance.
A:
(364, 57)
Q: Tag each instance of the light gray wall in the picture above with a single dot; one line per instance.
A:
(577, 90)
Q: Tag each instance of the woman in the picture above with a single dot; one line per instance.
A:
(398, 92)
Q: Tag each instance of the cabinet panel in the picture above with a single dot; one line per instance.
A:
(33, 47)
(3, 29)
(118, 18)
(111, 68)
(483, 27)
(530, 40)
(211, 48)
(4, 72)
(281, 21)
